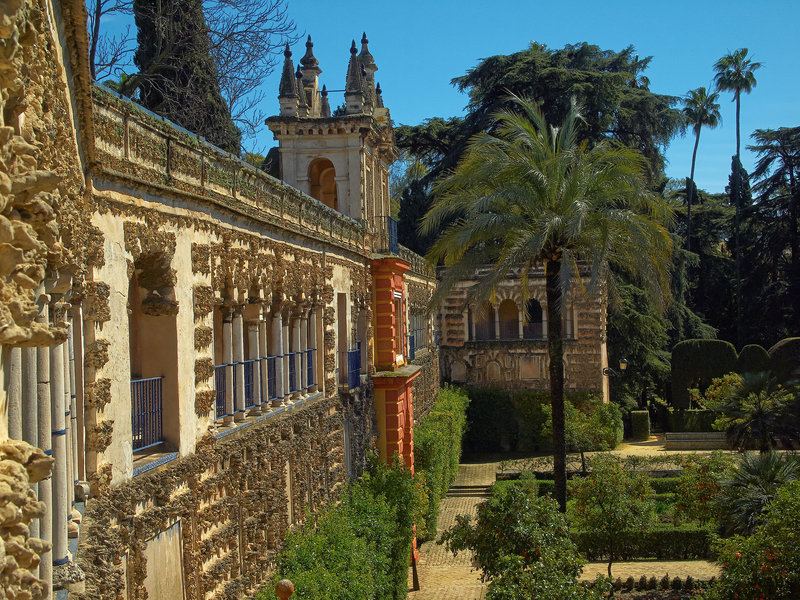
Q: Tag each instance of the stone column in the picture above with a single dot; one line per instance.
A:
(496, 321)
(45, 440)
(59, 432)
(277, 349)
(263, 352)
(295, 347)
(238, 357)
(521, 326)
(312, 343)
(472, 332)
(255, 367)
(69, 386)
(13, 373)
(304, 356)
(544, 322)
(30, 427)
(285, 336)
(227, 359)
(73, 413)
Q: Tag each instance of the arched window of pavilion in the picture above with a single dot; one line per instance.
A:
(322, 177)
(509, 320)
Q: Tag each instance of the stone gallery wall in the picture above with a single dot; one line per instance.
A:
(234, 497)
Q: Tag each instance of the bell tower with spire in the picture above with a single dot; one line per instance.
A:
(341, 158)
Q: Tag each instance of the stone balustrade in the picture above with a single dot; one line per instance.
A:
(136, 145)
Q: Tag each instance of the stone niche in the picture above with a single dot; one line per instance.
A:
(164, 556)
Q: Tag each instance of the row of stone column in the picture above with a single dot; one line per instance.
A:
(41, 411)
(471, 323)
(274, 334)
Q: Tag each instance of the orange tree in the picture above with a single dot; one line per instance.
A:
(766, 565)
(610, 504)
(522, 545)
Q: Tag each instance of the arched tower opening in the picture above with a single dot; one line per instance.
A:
(322, 177)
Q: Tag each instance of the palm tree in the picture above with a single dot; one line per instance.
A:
(530, 195)
(736, 73)
(701, 109)
(747, 491)
(759, 411)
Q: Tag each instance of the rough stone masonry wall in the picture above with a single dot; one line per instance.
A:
(42, 230)
(231, 499)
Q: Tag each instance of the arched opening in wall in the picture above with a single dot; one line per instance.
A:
(532, 328)
(509, 320)
(484, 322)
(153, 345)
(322, 177)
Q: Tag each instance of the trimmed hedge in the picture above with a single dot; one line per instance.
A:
(437, 448)
(752, 359)
(660, 542)
(500, 421)
(695, 363)
(640, 425)
(690, 420)
(664, 485)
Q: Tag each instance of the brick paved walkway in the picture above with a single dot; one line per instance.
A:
(445, 577)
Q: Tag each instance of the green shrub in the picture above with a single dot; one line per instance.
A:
(358, 548)
(665, 582)
(664, 485)
(767, 563)
(640, 425)
(437, 449)
(752, 359)
(677, 584)
(695, 363)
(690, 420)
(662, 542)
(784, 359)
(642, 585)
(492, 420)
(651, 583)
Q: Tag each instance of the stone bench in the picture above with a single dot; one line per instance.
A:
(696, 440)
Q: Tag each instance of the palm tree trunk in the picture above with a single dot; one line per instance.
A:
(738, 106)
(555, 349)
(690, 194)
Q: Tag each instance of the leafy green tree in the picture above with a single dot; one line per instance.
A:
(759, 411)
(177, 77)
(534, 195)
(777, 177)
(701, 109)
(611, 85)
(767, 563)
(748, 489)
(610, 504)
(522, 545)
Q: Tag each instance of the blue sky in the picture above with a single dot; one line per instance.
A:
(419, 46)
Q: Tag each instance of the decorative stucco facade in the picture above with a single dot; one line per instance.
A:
(503, 343)
(204, 351)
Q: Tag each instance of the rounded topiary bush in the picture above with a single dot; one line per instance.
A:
(752, 359)
(695, 363)
(784, 359)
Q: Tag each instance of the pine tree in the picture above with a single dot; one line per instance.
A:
(177, 77)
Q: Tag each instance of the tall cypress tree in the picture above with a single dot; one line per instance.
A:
(177, 76)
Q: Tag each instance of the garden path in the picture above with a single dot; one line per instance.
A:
(445, 577)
